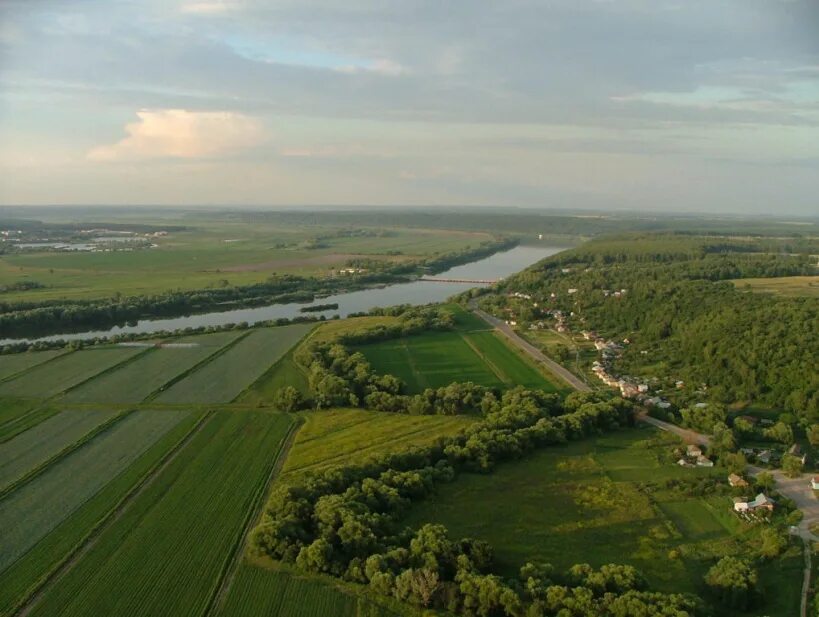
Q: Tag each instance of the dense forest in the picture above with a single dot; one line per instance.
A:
(670, 297)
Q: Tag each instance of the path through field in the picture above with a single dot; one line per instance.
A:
(529, 349)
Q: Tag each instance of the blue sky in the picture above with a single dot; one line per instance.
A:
(664, 105)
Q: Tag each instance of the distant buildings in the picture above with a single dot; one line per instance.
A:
(737, 481)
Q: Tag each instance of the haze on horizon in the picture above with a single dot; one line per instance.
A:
(663, 105)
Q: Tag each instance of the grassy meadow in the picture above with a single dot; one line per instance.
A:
(806, 286)
(582, 503)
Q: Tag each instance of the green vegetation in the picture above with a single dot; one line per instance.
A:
(685, 321)
(225, 377)
(46, 380)
(136, 380)
(29, 450)
(430, 360)
(285, 372)
(786, 285)
(197, 505)
(11, 364)
(351, 436)
(510, 365)
(22, 577)
(34, 509)
(17, 416)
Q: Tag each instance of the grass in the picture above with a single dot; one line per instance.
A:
(11, 364)
(507, 363)
(199, 257)
(435, 359)
(350, 436)
(430, 360)
(22, 577)
(62, 373)
(32, 448)
(17, 416)
(285, 372)
(197, 506)
(277, 592)
(466, 321)
(563, 506)
(807, 286)
(134, 381)
(34, 509)
(329, 330)
(228, 375)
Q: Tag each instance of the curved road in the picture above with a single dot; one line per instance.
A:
(502, 327)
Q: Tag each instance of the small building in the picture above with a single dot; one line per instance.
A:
(764, 456)
(683, 463)
(760, 502)
(737, 480)
(704, 461)
(814, 483)
(642, 388)
(693, 450)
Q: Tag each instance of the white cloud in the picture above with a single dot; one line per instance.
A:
(207, 8)
(177, 133)
(382, 67)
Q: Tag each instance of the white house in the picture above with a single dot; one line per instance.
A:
(704, 461)
(814, 483)
(761, 501)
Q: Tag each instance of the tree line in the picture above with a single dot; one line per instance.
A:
(345, 522)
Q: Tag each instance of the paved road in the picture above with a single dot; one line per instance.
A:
(534, 352)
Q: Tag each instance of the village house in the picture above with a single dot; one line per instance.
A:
(760, 502)
(704, 461)
(737, 481)
(693, 450)
(814, 483)
(764, 456)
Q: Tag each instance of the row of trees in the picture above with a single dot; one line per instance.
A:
(345, 521)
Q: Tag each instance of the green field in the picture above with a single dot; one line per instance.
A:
(348, 436)
(276, 593)
(435, 359)
(229, 374)
(31, 511)
(32, 448)
(11, 364)
(212, 250)
(807, 286)
(134, 381)
(22, 577)
(68, 370)
(17, 416)
(285, 372)
(166, 553)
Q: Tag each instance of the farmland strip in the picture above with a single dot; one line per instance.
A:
(28, 454)
(153, 395)
(57, 553)
(253, 518)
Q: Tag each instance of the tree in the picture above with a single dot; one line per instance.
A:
(723, 439)
(772, 542)
(735, 462)
(288, 399)
(792, 466)
(733, 581)
(765, 481)
(813, 434)
(780, 432)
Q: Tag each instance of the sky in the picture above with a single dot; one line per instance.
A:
(660, 105)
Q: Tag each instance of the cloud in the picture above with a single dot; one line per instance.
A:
(177, 133)
(207, 8)
(381, 67)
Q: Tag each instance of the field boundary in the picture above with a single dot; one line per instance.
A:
(270, 369)
(64, 565)
(190, 370)
(105, 371)
(492, 366)
(94, 432)
(25, 370)
(22, 418)
(254, 515)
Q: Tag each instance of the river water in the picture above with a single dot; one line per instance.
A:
(493, 267)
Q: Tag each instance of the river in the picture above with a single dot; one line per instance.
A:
(493, 267)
